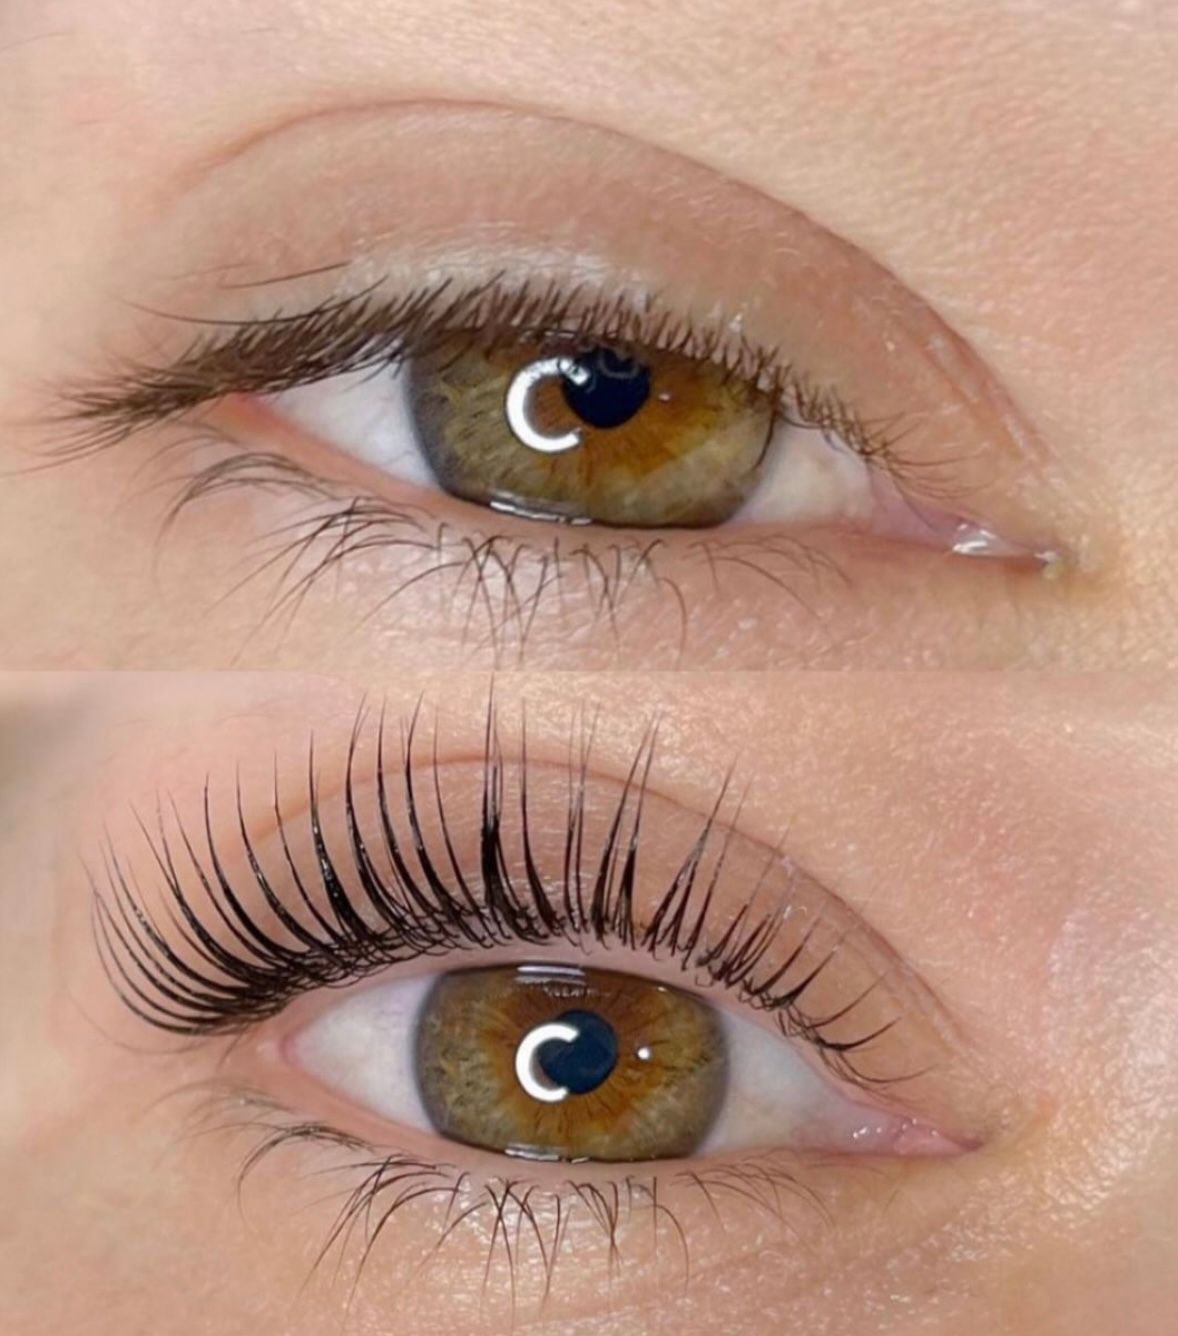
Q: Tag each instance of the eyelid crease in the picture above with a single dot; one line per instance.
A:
(407, 893)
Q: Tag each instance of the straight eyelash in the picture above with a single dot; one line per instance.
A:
(512, 1215)
(500, 580)
(356, 921)
(370, 330)
(491, 584)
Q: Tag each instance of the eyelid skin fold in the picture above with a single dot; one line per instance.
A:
(801, 297)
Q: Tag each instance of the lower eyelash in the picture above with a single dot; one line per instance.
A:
(498, 581)
(518, 1216)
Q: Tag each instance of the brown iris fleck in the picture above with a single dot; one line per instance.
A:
(565, 1063)
(630, 438)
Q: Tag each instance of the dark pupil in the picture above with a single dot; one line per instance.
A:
(583, 1064)
(613, 390)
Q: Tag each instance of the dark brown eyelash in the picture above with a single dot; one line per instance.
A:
(424, 903)
(499, 579)
(373, 329)
(525, 1214)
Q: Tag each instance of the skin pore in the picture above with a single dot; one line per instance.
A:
(1004, 836)
(958, 217)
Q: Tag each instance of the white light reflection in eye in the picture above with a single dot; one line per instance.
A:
(527, 1067)
(519, 402)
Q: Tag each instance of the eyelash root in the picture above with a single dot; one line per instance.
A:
(358, 918)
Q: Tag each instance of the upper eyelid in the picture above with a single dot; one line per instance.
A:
(130, 941)
(808, 234)
(975, 450)
(366, 330)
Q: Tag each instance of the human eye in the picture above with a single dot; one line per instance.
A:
(692, 423)
(483, 998)
(586, 410)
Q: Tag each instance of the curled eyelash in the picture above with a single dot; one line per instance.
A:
(404, 894)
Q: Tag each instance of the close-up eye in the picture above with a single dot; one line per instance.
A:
(558, 1062)
(425, 352)
(545, 423)
(528, 434)
(608, 1003)
(494, 975)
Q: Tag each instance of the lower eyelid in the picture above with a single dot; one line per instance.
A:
(360, 1211)
(307, 532)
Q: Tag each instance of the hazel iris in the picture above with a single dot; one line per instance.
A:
(636, 437)
(564, 1063)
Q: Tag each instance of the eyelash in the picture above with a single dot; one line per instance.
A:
(517, 1207)
(368, 331)
(501, 577)
(225, 989)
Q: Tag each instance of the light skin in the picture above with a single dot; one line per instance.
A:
(1005, 837)
(1002, 179)
(932, 245)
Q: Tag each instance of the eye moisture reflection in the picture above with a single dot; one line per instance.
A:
(558, 1062)
(641, 438)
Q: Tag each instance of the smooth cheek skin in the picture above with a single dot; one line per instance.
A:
(1025, 875)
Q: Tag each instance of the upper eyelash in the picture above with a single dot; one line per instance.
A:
(368, 330)
(225, 986)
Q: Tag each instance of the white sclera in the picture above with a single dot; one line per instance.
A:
(776, 1098)
(367, 415)
(363, 1049)
(808, 477)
